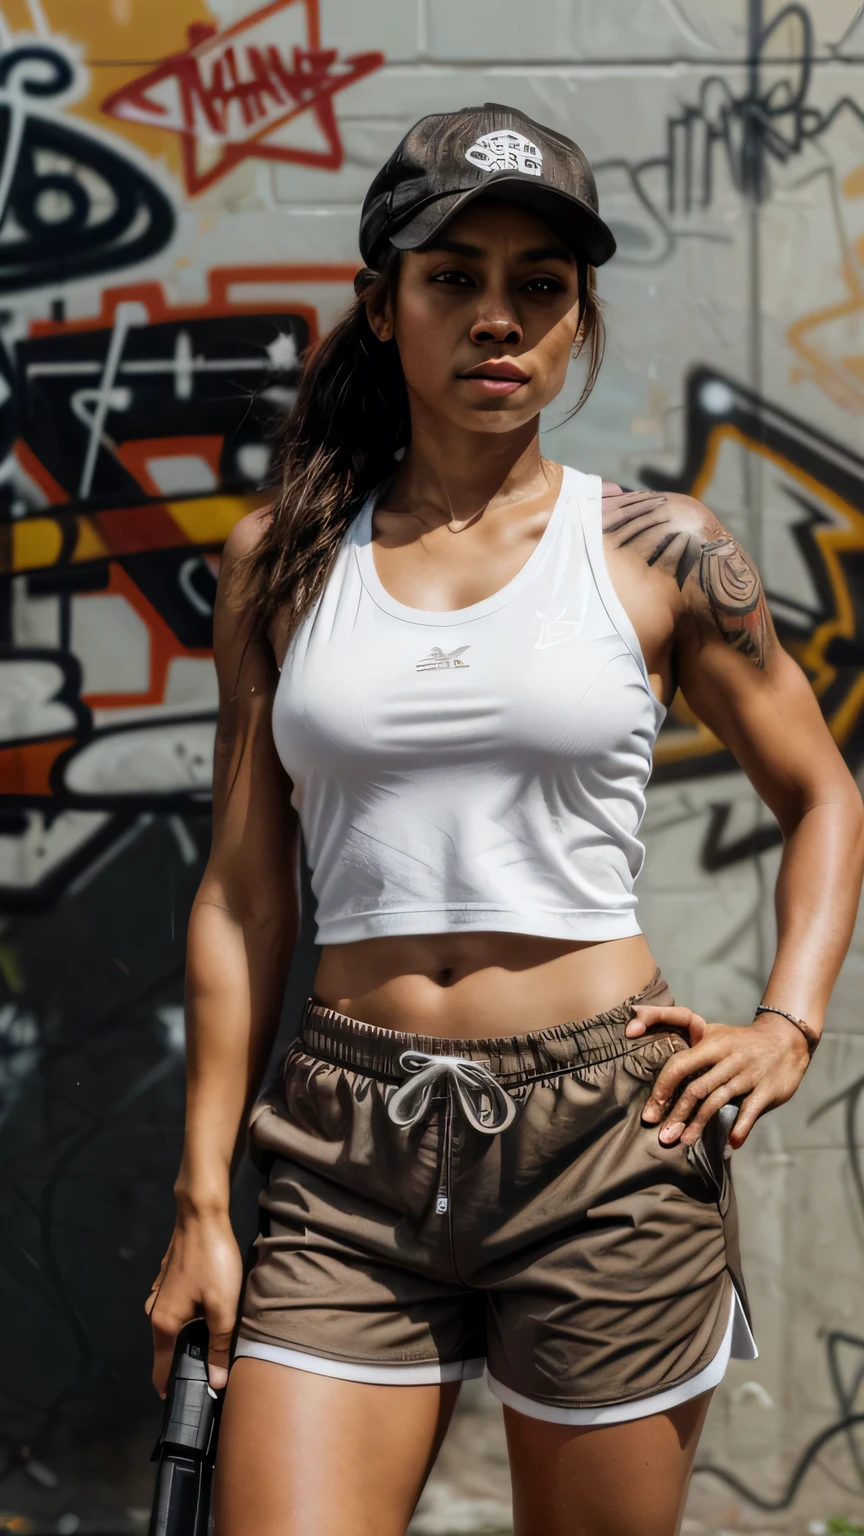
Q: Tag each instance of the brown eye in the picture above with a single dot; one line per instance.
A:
(460, 279)
(545, 285)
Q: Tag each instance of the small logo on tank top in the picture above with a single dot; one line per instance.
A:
(439, 660)
(554, 630)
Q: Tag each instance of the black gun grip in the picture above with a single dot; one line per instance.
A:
(186, 1446)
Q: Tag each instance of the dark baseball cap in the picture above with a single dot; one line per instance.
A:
(447, 160)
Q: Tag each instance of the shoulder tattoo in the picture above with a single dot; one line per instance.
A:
(734, 593)
(729, 584)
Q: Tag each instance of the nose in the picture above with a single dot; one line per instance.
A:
(502, 328)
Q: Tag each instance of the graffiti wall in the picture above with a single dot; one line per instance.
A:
(179, 193)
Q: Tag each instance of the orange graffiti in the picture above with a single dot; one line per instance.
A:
(75, 537)
(65, 534)
(838, 372)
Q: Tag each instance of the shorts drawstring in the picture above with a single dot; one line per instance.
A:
(485, 1103)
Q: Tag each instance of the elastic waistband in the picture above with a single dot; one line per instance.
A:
(515, 1059)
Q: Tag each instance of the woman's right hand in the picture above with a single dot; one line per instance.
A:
(201, 1275)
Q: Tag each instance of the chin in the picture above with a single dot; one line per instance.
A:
(500, 415)
(492, 418)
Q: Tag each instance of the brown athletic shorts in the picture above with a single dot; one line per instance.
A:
(435, 1203)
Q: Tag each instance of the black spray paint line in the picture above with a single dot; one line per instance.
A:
(746, 132)
(80, 240)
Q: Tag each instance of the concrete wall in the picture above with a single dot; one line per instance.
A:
(165, 253)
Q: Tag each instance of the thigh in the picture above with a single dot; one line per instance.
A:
(608, 1481)
(307, 1455)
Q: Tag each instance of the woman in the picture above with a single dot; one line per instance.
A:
(497, 1137)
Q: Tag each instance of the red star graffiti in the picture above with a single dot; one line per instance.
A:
(230, 92)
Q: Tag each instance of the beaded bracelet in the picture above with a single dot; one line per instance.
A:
(806, 1029)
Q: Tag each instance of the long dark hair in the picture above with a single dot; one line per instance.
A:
(339, 442)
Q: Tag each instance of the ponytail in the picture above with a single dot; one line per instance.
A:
(337, 444)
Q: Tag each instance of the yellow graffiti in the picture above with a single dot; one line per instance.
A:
(209, 519)
(693, 739)
(37, 543)
(142, 31)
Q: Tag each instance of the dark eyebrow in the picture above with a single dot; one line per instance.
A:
(538, 253)
(456, 247)
(548, 253)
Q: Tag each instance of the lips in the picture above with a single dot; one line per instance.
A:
(498, 370)
(495, 377)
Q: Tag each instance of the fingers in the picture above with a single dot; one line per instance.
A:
(753, 1106)
(166, 1326)
(721, 1095)
(648, 1016)
(723, 1062)
(157, 1283)
(220, 1322)
(164, 1329)
(694, 1095)
(166, 1322)
(203, 1279)
(679, 1066)
(218, 1358)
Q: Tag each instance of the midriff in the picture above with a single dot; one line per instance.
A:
(464, 985)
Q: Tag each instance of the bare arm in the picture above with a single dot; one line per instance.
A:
(242, 931)
(747, 689)
(741, 683)
(245, 918)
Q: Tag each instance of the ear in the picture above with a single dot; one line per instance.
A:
(581, 317)
(381, 322)
(379, 309)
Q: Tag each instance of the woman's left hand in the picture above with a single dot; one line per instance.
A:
(764, 1062)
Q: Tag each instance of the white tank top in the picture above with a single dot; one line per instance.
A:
(477, 769)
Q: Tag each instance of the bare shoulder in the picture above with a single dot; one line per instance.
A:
(246, 535)
(720, 595)
(662, 528)
(235, 638)
(236, 562)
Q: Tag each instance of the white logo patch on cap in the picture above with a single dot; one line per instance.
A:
(506, 150)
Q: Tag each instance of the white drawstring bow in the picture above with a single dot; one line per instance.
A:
(487, 1107)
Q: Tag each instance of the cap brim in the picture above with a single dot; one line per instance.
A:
(569, 216)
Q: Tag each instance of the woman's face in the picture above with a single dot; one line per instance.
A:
(486, 319)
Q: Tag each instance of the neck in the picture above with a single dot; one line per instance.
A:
(462, 472)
